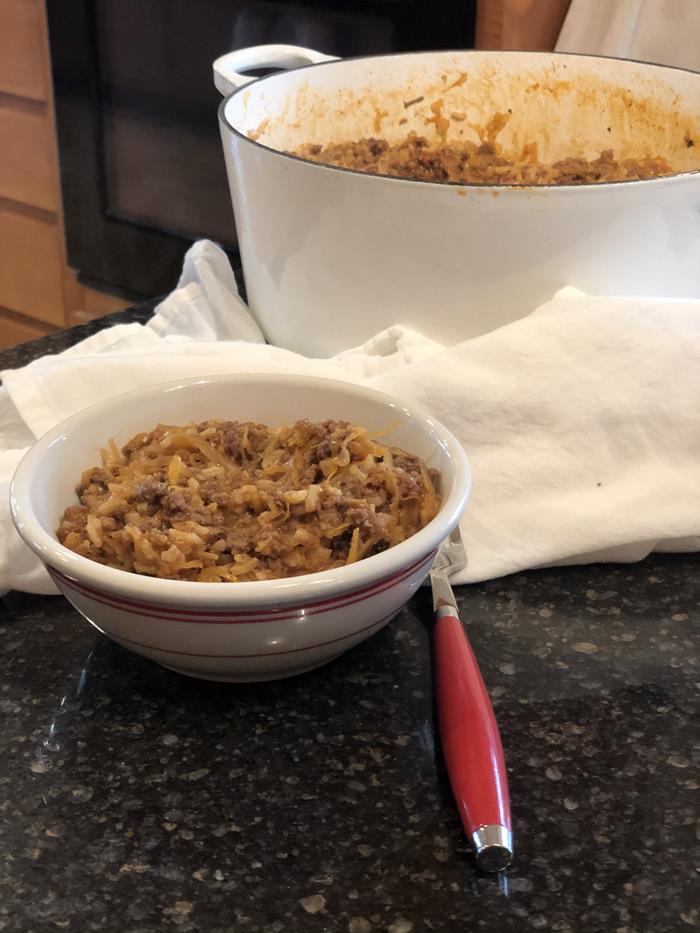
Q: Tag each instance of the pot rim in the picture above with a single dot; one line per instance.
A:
(596, 185)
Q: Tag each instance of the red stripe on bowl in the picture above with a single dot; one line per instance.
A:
(264, 654)
(222, 617)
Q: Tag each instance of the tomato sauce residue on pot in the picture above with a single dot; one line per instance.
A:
(533, 128)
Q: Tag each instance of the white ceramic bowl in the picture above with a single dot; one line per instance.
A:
(235, 631)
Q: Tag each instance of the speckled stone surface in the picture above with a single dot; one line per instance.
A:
(132, 798)
(24, 353)
(135, 799)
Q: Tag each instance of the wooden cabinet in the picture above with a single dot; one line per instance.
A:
(23, 61)
(31, 266)
(38, 292)
(27, 155)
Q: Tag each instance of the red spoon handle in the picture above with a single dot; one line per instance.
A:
(471, 744)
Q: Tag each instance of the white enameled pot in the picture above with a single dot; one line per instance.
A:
(332, 256)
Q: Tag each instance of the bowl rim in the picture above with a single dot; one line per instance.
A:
(284, 591)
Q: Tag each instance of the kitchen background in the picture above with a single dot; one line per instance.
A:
(111, 164)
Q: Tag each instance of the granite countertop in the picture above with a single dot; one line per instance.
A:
(133, 798)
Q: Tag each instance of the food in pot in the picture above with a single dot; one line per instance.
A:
(482, 163)
(224, 501)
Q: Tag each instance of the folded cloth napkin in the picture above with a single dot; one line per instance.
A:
(581, 420)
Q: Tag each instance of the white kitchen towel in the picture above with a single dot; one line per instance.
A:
(663, 31)
(581, 420)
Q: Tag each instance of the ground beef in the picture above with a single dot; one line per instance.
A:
(211, 491)
(175, 503)
(149, 490)
(227, 501)
(473, 163)
(98, 477)
(242, 441)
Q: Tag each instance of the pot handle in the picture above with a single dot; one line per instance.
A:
(228, 68)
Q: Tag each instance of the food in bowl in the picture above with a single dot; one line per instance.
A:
(228, 501)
